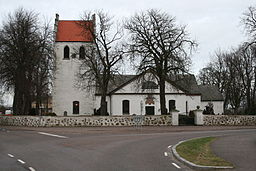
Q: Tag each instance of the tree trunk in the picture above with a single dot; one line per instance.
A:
(248, 99)
(19, 99)
(162, 96)
(27, 95)
(38, 101)
(47, 103)
(37, 105)
(103, 105)
(27, 104)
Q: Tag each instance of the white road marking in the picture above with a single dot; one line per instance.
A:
(165, 154)
(169, 146)
(32, 169)
(10, 155)
(53, 135)
(174, 164)
(22, 162)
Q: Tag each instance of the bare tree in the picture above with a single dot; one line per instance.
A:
(249, 21)
(1, 95)
(43, 75)
(160, 45)
(102, 57)
(22, 42)
(215, 73)
(234, 89)
(220, 70)
(205, 76)
(246, 67)
(234, 73)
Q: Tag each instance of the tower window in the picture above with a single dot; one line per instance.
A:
(66, 52)
(81, 53)
(126, 107)
(75, 107)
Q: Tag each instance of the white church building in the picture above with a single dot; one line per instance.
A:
(129, 95)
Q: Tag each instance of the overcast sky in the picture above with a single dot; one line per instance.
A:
(213, 23)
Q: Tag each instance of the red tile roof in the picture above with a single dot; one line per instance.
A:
(72, 31)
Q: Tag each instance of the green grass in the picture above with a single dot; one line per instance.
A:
(198, 151)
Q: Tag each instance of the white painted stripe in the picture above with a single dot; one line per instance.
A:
(10, 155)
(165, 154)
(32, 169)
(169, 146)
(53, 135)
(22, 162)
(174, 164)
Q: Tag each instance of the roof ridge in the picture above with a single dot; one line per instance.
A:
(78, 20)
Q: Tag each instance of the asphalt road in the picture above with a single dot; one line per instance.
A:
(116, 149)
(239, 149)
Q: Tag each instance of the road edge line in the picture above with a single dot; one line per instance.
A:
(193, 165)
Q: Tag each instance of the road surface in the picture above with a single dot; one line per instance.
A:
(116, 149)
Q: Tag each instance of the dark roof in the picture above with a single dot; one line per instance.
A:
(186, 83)
(210, 93)
(149, 85)
(118, 82)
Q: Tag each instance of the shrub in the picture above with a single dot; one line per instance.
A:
(191, 114)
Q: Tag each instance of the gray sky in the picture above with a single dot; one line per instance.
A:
(213, 23)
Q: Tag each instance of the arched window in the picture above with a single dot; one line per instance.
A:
(126, 107)
(81, 53)
(75, 107)
(66, 52)
(172, 105)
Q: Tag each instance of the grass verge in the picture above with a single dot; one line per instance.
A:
(198, 151)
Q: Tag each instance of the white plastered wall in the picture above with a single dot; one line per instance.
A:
(137, 98)
(65, 90)
(137, 103)
(217, 106)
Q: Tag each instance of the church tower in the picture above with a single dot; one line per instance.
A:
(70, 42)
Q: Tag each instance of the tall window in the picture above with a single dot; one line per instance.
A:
(126, 107)
(81, 53)
(171, 105)
(75, 107)
(66, 52)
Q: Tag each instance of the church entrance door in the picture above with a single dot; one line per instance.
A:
(150, 110)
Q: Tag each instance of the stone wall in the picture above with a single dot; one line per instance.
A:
(49, 121)
(229, 120)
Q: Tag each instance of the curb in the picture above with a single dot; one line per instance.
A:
(193, 165)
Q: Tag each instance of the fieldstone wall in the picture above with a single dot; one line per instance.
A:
(161, 120)
(49, 121)
(229, 120)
